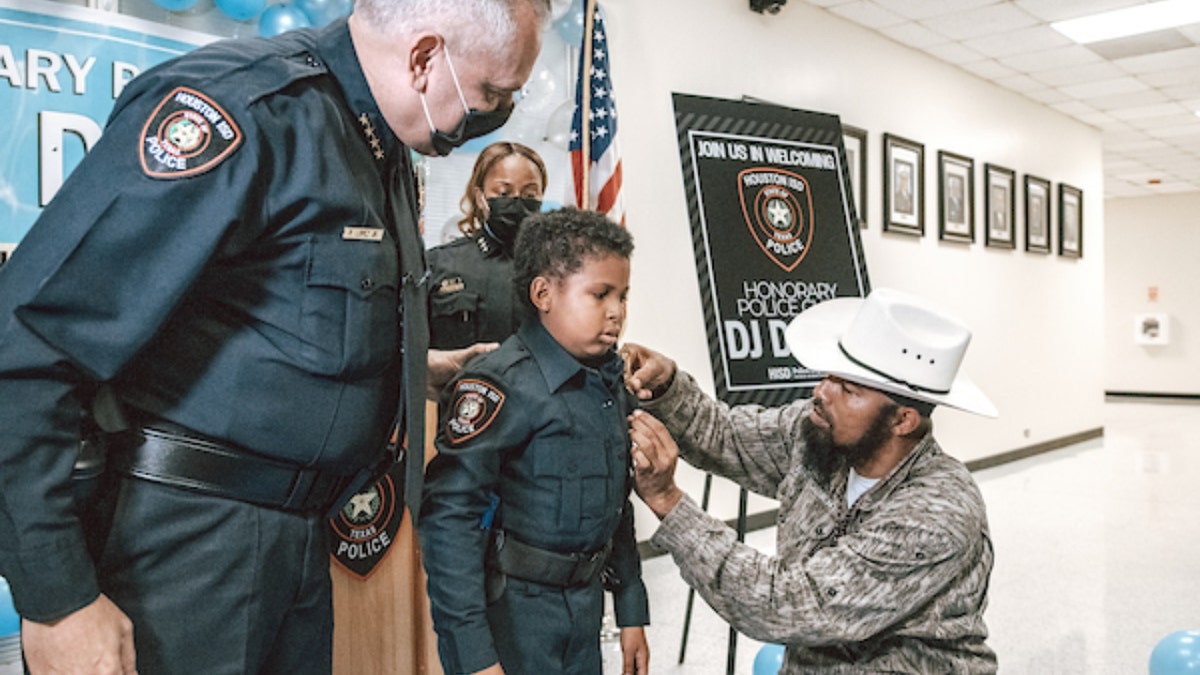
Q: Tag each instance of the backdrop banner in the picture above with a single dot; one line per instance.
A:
(774, 233)
(61, 69)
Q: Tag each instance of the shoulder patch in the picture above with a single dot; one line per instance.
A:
(475, 406)
(187, 134)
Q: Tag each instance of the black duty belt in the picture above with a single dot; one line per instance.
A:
(213, 468)
(523, 561)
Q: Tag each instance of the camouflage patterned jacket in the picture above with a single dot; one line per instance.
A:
(895, 584)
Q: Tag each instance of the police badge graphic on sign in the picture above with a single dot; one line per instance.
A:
(777, 205)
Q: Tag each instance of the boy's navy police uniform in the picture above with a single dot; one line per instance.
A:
(549, 437)
(230, 260)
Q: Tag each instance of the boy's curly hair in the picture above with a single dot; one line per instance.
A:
(554, 244)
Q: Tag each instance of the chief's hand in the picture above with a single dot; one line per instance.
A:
(654, 455)
(647, 373)
(95, 640)
(444, 364)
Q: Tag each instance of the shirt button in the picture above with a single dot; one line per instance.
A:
(832, 592)
(608, 403)
(820, 531)
(366, 284)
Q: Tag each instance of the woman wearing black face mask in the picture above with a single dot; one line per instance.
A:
(471, 295)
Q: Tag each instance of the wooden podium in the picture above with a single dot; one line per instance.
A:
(382, 624)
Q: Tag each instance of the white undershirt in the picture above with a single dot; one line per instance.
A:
(856, 485)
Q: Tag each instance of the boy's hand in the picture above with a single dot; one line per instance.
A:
(635, 651)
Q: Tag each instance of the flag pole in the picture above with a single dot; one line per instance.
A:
(585, 104)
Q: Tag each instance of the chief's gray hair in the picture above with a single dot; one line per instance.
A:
(471, 26)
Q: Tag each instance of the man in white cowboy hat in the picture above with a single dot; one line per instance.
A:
(883, 553)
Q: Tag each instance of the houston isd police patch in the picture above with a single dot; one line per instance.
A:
(366, 527)
(777, 207)
(475, 406)
(187, 134)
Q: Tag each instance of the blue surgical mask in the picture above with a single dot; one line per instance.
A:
(473, 124)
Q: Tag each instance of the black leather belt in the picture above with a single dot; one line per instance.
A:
(523, 561)
(222, 470)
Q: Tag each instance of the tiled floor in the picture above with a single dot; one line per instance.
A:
(1097, 556)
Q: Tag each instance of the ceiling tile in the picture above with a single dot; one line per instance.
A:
(1119, 101)
(1176, 58)
(1057, 10)
(1146, 111)
(1020, 83)
(995, 18)
(913, 34)
(1062, 57)
(1048, 96)
(924, 9)
(988, 69)
(1099, 88)
(955, 52)
(867, 14)
(1023, 40)
(1076, 74)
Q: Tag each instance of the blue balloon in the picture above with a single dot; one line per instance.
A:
(241, 10)
(570, 26)
(322, 12)
(1177, 654)
(176, 5)
(769, 659)
(10, 621)
(281, 18)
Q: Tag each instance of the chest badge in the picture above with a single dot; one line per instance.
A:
(475, 406)
(187, 134)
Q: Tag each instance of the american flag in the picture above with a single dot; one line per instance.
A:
(594, 147)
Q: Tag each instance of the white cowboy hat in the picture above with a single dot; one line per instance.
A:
(890, 341)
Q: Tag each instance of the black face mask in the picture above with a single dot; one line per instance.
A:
(473, 124)
(505, 215)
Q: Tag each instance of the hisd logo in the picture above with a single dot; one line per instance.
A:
(777, 207)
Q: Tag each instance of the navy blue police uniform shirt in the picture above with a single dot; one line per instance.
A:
(548, 435)
(243, 284)
(471, 294)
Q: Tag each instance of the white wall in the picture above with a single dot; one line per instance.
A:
(1152, 242)
(1038, 319)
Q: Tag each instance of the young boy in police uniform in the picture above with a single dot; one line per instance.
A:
(526, 518)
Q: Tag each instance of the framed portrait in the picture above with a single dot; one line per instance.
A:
(1000, 205)
(1037, 214)
(903, 185)
(855, 141)
(1070, 221)
(956, 197)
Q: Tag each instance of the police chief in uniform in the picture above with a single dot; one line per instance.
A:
(225, 267)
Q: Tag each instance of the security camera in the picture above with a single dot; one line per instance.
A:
(767, 6)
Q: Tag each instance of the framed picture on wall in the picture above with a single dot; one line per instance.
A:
(1000, 204)
(855, 140)
(956, 197)
(1037, 214)
(1070, 221)
(903, 185)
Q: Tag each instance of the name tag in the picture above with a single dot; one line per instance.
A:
(362, 233)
